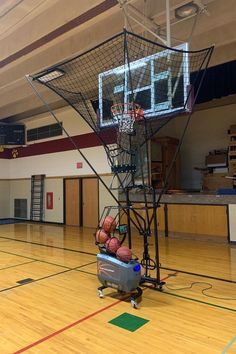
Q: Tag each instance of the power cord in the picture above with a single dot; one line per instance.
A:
(209, 286)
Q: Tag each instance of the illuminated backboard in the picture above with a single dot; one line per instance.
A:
(158, 82)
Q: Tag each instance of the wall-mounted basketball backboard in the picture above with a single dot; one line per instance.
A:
(159, 83)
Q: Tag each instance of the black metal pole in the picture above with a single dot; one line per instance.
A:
(128, 203)
(166, 220)
(157, 259)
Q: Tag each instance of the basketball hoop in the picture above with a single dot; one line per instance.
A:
(125, 114)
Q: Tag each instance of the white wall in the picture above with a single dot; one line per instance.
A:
(4, 169)
(60, 164)
(54, 185)
(72, 123)
(207, 131)
(20, 189)
(105, 198)
(232, 223)
(4, 199)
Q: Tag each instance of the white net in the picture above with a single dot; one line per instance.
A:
(124, 116)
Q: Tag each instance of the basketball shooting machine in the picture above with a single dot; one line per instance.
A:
(127, 89)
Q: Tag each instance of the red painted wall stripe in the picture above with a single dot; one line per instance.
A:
(88, 15)
(82, 141)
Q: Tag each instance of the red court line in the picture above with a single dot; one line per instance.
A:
(72, 324)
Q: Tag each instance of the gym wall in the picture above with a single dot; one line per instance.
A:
(55, 166)
(4, 198)
(207, 131)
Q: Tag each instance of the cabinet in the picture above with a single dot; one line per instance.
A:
(162, 153)
(232, 155)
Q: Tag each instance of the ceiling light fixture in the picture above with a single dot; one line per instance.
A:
(51, 75)
(186, 10)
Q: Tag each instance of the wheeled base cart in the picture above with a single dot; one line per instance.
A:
(122, 276)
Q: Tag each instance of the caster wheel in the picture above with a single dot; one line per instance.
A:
(134, 304)
(121, 292)
(100, 293)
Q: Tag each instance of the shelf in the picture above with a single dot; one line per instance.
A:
(162, 152)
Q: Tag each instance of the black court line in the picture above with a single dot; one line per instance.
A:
(50, 246)
(199, 301)
(200, 275)
(85, 265)
(176, 295)
(95, 254)
(17, 265)
(35, 259)
(40, 260)
(86, 272)
(71, 325)
(43, 278)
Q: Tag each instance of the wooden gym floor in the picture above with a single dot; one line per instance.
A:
(60, 312)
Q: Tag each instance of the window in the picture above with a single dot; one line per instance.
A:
(47, 131)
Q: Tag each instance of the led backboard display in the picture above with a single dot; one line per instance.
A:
(159, 83)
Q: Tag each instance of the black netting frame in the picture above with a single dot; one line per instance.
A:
(132, 69)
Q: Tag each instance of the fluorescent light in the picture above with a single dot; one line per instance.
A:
(186, 10)
(52, 75)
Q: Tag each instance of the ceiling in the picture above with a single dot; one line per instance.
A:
(35, 34)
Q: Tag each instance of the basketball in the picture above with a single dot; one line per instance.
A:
(101, 236)
(112, 245)
(109, 224)
(124, 254)
(139, 114)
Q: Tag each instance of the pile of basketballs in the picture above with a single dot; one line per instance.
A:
(104, 236)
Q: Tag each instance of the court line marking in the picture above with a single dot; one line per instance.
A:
(200, 275)
(66, 327)
(195, 274)
(46, 277)
(17, 265)
(95, 254)
(229, 345)
(84, 271)
(35, 259)
(49, 246)
(74, 324)
(200, 301)
(90, 316)
(174, 294)
(69, 269)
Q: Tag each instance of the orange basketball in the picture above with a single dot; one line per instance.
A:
(101, 236)
(124, 254)
(139, 114)
(109, 224)
(112, 245)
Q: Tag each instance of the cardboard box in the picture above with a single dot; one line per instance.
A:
(212, 182)
(232, 129)
(216, 160)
